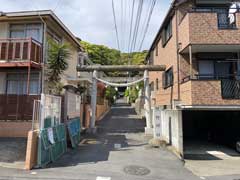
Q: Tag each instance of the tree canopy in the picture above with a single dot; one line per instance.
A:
(100, 54)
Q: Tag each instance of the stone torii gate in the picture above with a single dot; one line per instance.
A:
(127, 68)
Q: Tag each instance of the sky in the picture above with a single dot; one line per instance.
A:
(92, 20)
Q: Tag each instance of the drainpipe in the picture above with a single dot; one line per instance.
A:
(178, 55)
(44, 55)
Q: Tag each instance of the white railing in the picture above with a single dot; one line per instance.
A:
(49, 107)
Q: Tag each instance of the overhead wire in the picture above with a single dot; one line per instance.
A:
(148, 23)
(115, 23)
(137, 23)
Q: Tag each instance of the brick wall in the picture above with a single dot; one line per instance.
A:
(202, 28)
(168, 57)
(209, 93)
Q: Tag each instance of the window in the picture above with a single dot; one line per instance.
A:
(168, 78)
(156, 50)
(17, 83)
(206, 69)
(26, 31)
(152, 86)
(167, 33)
(157, 84)
(214, 69)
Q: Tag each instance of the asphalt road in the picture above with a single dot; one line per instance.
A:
(118, 152)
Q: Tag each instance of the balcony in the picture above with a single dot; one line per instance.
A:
(20, 52)
(206, 90)
(209, 27)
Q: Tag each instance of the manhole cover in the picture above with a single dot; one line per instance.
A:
(136, 170)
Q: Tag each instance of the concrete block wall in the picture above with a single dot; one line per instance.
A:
(32, 150)
(15, 129)
(172, 129)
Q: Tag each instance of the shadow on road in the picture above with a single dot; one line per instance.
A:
(112, 135)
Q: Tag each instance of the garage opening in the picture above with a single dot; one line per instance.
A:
(211, 135)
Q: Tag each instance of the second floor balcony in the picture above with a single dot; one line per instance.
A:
(20, 52)
(210, 26)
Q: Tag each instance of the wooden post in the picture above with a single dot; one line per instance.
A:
(190, 61)
(28, 78)
(93, 101)
(147, 107)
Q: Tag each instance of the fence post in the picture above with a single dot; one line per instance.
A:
(42, 110)
(147, 106)
(93, 101)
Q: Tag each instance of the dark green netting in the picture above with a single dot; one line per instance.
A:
(74, 129)
(48, 152)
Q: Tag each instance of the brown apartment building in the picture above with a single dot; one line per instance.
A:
(199, 93)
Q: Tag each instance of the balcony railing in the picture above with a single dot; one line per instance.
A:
(230, 86)
(227, 20)
(226, 17)
(14, 50)
(16, 107)
(208, 77)
(230, 89)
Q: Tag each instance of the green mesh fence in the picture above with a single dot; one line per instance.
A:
(48, 152)
(74, 129)
(47, 122)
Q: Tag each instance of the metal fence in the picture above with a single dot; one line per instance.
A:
(36, 117)
(46, 112)
(230, 89)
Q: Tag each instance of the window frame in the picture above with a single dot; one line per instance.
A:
(166, 38)
(25, 27)
(168, 74)
(157, 84)
(21, 78)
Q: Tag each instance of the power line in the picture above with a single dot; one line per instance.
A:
(131, 26)
(148, 23)
(115, 22)
(124, 23)
(57, 5)
(137, 23)
(121, 26)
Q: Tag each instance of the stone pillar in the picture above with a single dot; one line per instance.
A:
(93, 101)
(147, 106)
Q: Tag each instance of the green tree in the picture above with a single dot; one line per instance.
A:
(58, 55)
(100, 54)
(110, 93)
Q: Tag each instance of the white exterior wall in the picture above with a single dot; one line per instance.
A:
(72, 105)
(2, 82)
(175, 116)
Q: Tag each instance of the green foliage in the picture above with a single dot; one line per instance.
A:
(103, 55)
(58, 55)
(132, 92)
(135, 58)
(110, 93)
(100, 54)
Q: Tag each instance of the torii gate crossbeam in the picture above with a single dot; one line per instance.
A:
(111, 68)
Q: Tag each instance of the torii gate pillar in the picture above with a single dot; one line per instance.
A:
(93, 102)
(147, 106)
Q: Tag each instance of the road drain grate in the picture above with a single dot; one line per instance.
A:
(136, 170)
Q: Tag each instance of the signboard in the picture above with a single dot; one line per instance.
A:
(50, 135)
(157, 122)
